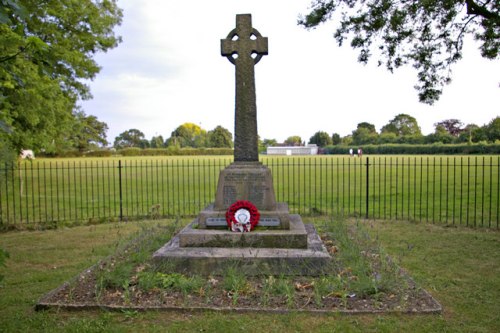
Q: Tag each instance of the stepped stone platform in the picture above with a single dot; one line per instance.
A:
(191, 252)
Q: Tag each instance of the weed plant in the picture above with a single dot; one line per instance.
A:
(173, 281)
(235, 284)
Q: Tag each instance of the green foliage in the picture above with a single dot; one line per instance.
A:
(364, 134)
(88, 132)
(336, 139)
(132, 138)
(411, 149)
(174, 151)
(427, 35)
(132, 151)
(440, 135)
(220, 138)
(117, 272)
(46, 51)
(293, 140)
(493, 130)
(403, 125)
(321, 139)
(234, 280)
(361, 274)
(173, 281)
(99, 153)
(7, 151)
(269, 142)
(188, 135)
(157, 142)
(280, 286)
(235, 283)
(117, 277)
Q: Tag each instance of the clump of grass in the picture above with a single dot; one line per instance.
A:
(279, 286)
(365, 269)
(235, 283)
(173, 281)
(117, 272)
(326, 286)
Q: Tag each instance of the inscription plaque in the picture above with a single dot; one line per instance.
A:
(252, 182)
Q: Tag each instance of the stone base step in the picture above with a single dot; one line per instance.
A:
(311, 261)
(295, 237)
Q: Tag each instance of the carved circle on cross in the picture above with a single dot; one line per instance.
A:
(233, 35)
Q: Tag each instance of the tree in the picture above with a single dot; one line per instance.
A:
(321, 139)
(387, 137)
(347, 140)
(294, 140)
(269, 143)
(493, 130)
(88, 132)
(472, 133)
(368, 126)
(7, 151)
(220, 137)
(188, 135)
(157, 142)
(452, 126)
(427, 35)
(336, 139)
(365, 133)
(130, 138)
(46, 54)
(402, 125)
(440, 134)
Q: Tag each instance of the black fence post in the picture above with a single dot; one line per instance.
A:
(120, 188)
(367, 186)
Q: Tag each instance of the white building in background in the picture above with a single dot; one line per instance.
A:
(293, 150)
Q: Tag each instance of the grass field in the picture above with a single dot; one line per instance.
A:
(456, 190)
(459, 266)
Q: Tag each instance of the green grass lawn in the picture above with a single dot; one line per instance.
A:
(459, 266)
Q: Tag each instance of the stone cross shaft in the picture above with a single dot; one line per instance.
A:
(244, 47)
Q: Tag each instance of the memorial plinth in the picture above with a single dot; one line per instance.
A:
(312, 260)
(246, 181)
(250, 181)
(281, 243)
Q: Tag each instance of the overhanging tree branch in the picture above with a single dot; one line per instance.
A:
(10, 57)
(474, 9)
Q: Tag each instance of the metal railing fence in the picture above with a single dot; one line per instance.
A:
(446, 190)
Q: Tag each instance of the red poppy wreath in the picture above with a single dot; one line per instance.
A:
(242, 216)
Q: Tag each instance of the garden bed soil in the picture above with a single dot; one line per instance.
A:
(83, 293)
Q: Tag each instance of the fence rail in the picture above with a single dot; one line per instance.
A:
(446, 190)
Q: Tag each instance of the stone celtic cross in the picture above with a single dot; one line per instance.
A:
(244, 47)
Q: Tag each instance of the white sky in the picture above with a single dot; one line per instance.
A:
(169, 71)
